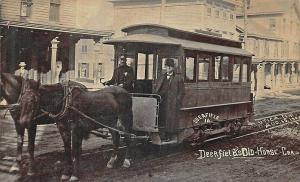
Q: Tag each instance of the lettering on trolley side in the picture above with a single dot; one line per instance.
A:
(205, 118)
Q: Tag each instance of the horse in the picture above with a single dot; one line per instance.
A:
(12, 88)
(110, 108)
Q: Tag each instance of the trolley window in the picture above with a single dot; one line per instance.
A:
(145, 66)
(190, 69)
(236, 70)
(245, 74)
(203, 67)
(141, 66)
(225, 68)
(217, 67)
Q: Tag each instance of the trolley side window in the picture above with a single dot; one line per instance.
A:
(217, 67)
(190, 69)
(236, 70)
(246, 74)
(225, 68)
(203, 67)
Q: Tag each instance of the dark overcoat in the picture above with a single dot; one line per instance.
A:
(172, 95)
(123, 75)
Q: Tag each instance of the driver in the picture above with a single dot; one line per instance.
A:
(123, 75)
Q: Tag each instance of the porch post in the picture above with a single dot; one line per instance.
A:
(283, 75)
(292, 80)
(273, 79)
(261, 79)
(54, 44)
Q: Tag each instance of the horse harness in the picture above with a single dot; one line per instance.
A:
(67, 106)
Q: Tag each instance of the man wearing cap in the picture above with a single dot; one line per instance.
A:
(123, 76)
(22, 71)
(170, 86)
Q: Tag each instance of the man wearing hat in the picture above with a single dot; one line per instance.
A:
(123, 75)
(170, 86)
(22, 71)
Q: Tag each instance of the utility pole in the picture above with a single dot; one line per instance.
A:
(245, 9)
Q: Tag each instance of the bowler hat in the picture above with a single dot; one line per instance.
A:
(170, 62)
(22, 64)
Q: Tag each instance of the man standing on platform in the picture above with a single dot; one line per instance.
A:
(123, 75)
(170, 86)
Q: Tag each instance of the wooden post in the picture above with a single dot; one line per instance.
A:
(54, 44)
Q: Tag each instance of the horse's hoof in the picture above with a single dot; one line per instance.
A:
(30, 173)
(126, 163)
(14, 169)
(74, 178)
(64, 177)
(111, 162)
(109, 165)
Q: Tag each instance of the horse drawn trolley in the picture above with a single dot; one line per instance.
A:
(216, 73)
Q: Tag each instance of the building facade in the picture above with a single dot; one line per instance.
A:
(43, 34)
(273, 28)
(216, 16)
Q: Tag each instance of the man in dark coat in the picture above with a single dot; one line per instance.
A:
(170, 86)
(123, 76)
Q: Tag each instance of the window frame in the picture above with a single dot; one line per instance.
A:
(54, 4)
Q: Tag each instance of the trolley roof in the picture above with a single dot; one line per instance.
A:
(162, 35)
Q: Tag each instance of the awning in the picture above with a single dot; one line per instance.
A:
(54, 28)
(186, 44)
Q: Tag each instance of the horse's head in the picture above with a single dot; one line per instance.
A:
(10, 87)
(29, 102)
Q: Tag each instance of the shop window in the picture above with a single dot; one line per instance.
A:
(98, 70)
(54, 10)
(83, 70)
(190, 71)
(84, 48)
(208, 11)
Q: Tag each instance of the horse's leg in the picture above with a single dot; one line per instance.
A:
(20, 139)
(31, 139)
(65, 133)
(126, 122)
(114, 156)
(76, 149)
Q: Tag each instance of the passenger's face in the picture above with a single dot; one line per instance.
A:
(122, 62)
(169, 69)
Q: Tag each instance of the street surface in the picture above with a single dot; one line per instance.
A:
(174, 163)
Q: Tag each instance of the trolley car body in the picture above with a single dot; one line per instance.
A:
(216, 72)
